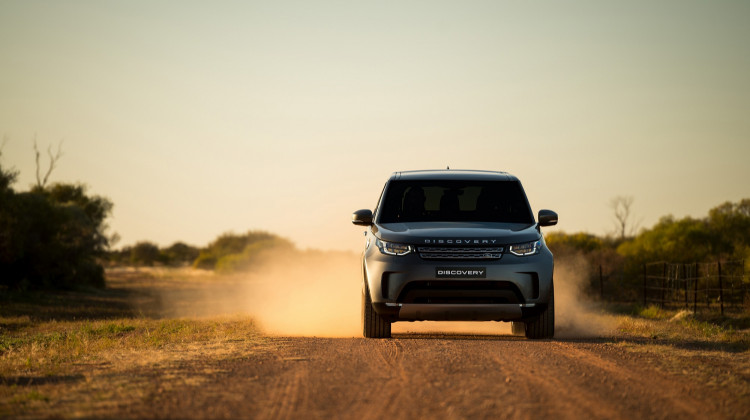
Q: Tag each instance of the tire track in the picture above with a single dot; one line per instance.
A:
(288, 395)
(448, 377)
(633, 378)
(554, 390)
(388, 361)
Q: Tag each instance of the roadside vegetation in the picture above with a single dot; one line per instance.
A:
(89, 351)
(729, 332)
(149, 254)
(710, 348)
(52, 235)
(722, 235)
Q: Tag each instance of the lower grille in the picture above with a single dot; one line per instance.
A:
(440, 253)
(465, 292)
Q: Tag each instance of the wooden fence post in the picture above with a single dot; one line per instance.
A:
(721, 288)
(685, 279)
(695, 289)
(663, 283)
(644, 285)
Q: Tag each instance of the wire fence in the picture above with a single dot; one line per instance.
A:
(713, 286)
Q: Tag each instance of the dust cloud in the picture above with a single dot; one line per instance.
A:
(287, 292)
(577, 316)
(315, 293)
(318, 293)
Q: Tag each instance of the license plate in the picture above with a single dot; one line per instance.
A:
(461, 272)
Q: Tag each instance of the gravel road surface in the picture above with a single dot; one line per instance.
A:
(440, 376)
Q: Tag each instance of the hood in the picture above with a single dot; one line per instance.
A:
(457, 233)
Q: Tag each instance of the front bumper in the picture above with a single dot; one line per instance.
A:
(407, 288)
(457, 312)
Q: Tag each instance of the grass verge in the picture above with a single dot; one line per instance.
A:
(86, 353)
(705, 347)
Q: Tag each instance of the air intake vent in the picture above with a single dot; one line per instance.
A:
(439, 253)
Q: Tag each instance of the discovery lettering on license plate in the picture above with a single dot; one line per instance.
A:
(461, 272)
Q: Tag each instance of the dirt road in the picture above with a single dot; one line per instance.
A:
(167, 362)
(436, 376)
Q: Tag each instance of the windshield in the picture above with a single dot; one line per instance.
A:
(455, 201)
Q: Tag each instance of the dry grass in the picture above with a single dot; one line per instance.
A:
(708, 330)
(89, 366)
(83, 353)
(713, 349)
(51, 348)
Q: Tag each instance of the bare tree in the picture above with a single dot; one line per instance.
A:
(622, 207)
(41, 182)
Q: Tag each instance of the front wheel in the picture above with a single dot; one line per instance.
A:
(373, 325)
(544, 325)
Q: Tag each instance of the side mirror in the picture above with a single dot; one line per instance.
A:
(362, 217)
(547, 218)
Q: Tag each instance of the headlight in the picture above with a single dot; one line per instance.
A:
(529, 248)
(393, 249)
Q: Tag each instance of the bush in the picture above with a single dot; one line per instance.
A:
(180, 253)
(253, 256)
(145, 253)
(51, 237)
(231, 252)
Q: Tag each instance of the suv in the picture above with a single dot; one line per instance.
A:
(456, 245)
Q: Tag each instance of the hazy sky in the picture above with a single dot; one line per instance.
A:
(198, 118)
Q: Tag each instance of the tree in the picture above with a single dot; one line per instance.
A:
(145, 253)
(685, 240)
(51, 236)
(41, 182)
(730, 227)
(622, 208)
(576, 242)
(180, 253)
(232, 252)
(228, 244)
(7, 215)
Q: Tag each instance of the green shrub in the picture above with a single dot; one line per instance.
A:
(51, 237)
(231, 252)
(145, 253)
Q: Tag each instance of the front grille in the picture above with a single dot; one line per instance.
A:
(461, 253)
(460, 292)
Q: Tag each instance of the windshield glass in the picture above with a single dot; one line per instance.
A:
(455, 201)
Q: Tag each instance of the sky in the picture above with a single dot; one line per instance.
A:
(199, 118)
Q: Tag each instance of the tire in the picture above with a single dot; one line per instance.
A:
(544, 325)
(373, 325)
(518, 328)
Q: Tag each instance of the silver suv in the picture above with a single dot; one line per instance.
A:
(456, 245)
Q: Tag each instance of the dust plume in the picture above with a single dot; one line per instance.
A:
(576, 316)
(318, 293)
(286, 292)
(312, 293)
